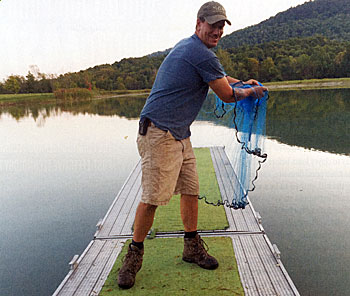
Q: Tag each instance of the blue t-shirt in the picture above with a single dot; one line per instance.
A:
(181, 86)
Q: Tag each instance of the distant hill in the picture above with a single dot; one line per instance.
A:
(311, 40)
(159, 53)
(329, 18)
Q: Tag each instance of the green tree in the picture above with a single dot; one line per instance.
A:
(30, 83)
(44, 84)
(13, 84)
(269, 71)
(252, 66)
(240, 71)
(286, 66)
(305, 67)
(322, 63)
(2, 88)
(345, 63)
(120, 83)
(129, 82)
(225, 60)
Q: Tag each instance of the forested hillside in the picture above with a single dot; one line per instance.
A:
(329, 18)
(292, 59)
(308, 41)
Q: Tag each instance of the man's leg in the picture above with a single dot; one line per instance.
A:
(161, 163)
(133, 259)
(194, 249)
(189, 212)
(143, 221)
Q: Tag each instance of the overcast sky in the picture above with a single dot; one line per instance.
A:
(60, 36)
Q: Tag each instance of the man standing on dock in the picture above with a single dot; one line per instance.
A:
(168, 162)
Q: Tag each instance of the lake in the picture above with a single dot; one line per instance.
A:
(61, 166)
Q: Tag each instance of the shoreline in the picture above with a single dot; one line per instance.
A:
(327, 83)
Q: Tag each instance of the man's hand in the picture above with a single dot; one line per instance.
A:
(255, 92)
(252, 82)
(224, 91)
(258, 91)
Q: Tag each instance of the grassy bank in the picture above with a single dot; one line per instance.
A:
(328, 83)
(123, 92)
(15, 98)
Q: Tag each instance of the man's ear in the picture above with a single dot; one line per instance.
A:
(198, 24)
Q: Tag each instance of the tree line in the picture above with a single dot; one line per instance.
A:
(292, 59)
(128, 74)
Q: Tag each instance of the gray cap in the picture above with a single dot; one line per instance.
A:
(213, 12)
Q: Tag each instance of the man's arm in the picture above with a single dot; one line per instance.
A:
(234, 80)
(224, 91)
(231, 79)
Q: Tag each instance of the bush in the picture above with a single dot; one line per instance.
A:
(72, 93)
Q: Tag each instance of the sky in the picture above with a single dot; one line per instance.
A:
(60, 36)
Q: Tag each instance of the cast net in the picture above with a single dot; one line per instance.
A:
(247, 120)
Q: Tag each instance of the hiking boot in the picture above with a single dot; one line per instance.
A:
(195, 252)
(132, 263)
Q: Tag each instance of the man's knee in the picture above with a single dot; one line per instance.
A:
(148, 207)
(189, 197)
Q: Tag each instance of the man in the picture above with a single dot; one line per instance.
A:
(168, 162)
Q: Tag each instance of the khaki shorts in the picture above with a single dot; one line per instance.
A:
(168, 166)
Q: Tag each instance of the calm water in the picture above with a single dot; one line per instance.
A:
(62, 165)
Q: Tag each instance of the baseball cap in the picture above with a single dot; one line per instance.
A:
(213, 12)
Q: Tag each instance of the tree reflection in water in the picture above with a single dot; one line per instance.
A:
(313, 119)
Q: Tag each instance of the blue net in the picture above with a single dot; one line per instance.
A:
(247, 118)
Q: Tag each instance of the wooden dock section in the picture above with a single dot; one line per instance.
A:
(259, 264)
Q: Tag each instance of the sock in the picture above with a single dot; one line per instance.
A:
(191, 234)
(139, 245)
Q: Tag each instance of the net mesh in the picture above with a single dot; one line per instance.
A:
(247, 119)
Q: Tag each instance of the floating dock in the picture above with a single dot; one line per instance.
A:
(259, 264)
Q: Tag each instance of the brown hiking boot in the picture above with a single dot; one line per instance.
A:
(132, 263)
(195, 252)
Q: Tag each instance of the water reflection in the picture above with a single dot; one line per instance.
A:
(313, 119)
(56, 182)
(129, 107)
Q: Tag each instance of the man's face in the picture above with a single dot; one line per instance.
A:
(210, 34)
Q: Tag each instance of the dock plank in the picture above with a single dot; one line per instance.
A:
(119, 218)
(260, 271)
(261, 277)
(244, 270)
(91, 273)
(246, 217)
(130, 203)
(231, 187)
(93, 282)
(239, 220)
(273, 267)
(224, 194)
